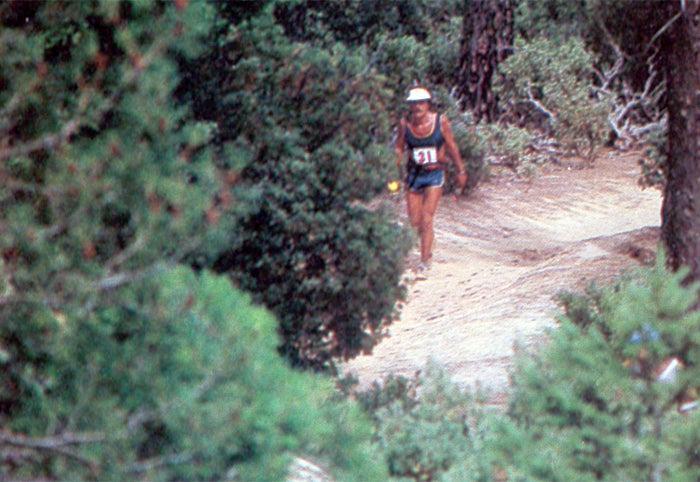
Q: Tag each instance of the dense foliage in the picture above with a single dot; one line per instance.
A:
(547, 88)
(182, 382)
(309, 247)
(409, 40)
(590, 69)
(118, 362)
(593, 405)
(554, 19)
(427, 426)
(124, 357)
(313, 110)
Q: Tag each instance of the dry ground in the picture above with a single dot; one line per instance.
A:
(501, 256)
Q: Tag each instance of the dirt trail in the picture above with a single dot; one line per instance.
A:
(502, 254)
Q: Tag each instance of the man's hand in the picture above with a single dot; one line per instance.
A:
(461, 179)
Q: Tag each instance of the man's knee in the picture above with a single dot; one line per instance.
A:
(426, 221)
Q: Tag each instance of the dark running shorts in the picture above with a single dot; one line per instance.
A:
(418, 179)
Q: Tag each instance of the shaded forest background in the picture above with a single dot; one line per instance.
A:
(191, 237)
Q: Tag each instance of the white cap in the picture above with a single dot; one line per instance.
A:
(417, 94)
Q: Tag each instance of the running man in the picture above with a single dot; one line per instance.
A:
(426, 137)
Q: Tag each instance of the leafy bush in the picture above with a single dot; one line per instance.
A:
(554, 19)
(310, 110)
(405, 60)
(428, 428)
(512, 147)
(546, 85)
(405, 41)
(182, 382)
(590, 405)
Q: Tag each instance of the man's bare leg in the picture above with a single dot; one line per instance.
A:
(431, 198)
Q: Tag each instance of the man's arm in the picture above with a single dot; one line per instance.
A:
(399, 145)
(453, 150)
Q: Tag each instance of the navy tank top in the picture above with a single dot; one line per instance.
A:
(424, 149)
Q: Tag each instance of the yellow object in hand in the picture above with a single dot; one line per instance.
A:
(392, 185)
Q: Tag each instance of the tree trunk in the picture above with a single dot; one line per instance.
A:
(681, 205)
(487, 39)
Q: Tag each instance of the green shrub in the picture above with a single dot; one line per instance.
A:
(428, 428)
(117, 363)
(546, 85)
(106, 179)
(512, 147)
(589, 405)
(181, 382)
(312, 124)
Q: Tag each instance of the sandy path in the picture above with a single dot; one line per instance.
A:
(501, 256)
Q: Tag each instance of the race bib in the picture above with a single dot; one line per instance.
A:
(425, 155)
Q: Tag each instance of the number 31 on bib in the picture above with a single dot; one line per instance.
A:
(425, 155)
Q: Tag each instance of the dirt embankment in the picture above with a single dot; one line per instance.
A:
(501, 256)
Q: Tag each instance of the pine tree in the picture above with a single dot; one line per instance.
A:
(117, 362)
(102, 177)
(594, 403)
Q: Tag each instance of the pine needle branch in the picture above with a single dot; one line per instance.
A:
(51, 141)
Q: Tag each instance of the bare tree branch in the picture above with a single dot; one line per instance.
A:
(156, 462)
(629, 107)
(663, 29)
(59, 444)
(539, 105)
(66, 439)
